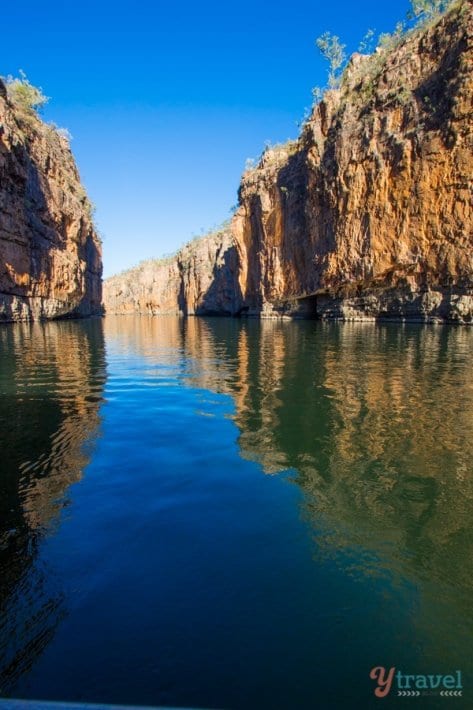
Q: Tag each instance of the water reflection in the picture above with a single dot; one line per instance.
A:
(374, 421)
(51, 383)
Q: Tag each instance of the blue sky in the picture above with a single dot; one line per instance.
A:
(165, 101)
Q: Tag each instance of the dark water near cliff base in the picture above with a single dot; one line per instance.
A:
(216, 513)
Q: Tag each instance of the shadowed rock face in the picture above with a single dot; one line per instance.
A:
(50, 255)
(370, 211)
(368, 215)
(201, 279)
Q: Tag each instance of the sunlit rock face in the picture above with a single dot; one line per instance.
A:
(369, 213)
(202, 278)
(50, 255)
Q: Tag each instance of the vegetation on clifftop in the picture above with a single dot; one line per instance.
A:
(26, 97)
(422, 14)
(28, 101)
(185, 252)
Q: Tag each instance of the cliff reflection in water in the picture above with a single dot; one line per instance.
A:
(376, 421)
(51, 384)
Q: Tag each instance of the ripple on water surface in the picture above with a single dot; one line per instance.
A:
(224, 513)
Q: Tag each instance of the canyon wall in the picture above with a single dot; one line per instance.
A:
(202, 278)
(367, 215)
(50, 254)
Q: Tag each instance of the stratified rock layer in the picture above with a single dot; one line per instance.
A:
(202, 278)
(369, 214)
(50, 255)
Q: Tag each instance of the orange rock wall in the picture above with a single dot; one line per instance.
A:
(50, 255)
(371, 210)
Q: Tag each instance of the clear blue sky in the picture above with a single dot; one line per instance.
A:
(165, 100)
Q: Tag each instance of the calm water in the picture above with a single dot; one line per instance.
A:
(227, 514)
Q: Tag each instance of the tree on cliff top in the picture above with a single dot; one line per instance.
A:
(334, 52)
(331, 48)
(428, 9)
(24, 95)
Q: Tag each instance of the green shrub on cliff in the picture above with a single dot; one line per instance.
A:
(366, 45)
(24, 95)
(334, 52)
(389, 40)
(421, 13)
(427, 10)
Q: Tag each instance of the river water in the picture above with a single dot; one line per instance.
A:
(225, 513)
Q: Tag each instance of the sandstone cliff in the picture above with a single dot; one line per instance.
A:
(202, 278)
(367, 215)
(50, 255)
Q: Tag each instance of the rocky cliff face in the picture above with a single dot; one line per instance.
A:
(369, 213)
(50, 255)
(202, 278)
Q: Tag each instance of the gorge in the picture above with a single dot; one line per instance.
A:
(367, 215)
(272, 509)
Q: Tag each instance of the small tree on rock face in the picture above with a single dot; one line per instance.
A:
(428, 9)
(366, 44)
(334, 52)
(25, 95)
